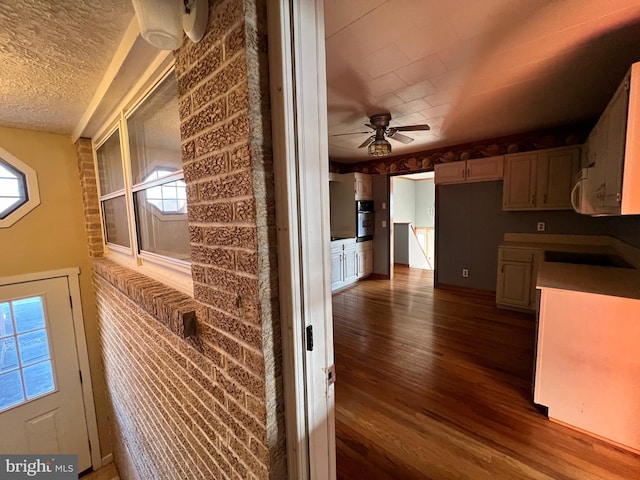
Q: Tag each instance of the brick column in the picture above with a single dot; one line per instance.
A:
(226, 143)
(90, 199)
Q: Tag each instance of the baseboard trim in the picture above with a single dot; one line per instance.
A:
(379, 276)
(466, 290)
(107, 459)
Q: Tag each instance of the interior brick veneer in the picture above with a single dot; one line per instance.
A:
(209, 407)
(90, 198)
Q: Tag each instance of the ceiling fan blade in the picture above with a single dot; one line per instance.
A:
(352, 133)
(368, 141)
(412, 128)
(393, 134)
(370, 126)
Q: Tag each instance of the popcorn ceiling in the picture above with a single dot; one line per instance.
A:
(53, 56)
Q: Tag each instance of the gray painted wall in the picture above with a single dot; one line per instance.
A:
(381, 253)
(471, 225)
(401, 243)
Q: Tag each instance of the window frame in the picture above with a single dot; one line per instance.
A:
(172, 271)
(31, 186)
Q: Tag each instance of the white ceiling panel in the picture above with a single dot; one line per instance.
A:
(472, 69)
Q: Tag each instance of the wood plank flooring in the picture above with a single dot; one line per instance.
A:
(436, 384)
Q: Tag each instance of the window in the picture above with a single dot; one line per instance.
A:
(142, 190)
(25, 357)
(18, 189)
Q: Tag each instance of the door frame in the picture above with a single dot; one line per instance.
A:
(301, 164)
(73, 284)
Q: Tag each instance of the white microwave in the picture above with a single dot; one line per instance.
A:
(584, 194)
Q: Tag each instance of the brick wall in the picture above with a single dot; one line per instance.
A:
(90, 199)
(209, 407)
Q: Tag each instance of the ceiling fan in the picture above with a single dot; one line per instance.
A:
(378, 145)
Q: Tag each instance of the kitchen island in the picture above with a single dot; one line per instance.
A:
(587, 363)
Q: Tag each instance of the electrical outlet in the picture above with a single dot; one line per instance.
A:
(465, 272)
(384, 205)
(384, 224)
(541, 226)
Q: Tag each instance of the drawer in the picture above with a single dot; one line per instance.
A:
(516, 255)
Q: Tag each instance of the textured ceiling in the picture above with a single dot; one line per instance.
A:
(472, 69)
(53, 56)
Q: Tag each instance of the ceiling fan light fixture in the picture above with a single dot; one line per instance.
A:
(380, 148)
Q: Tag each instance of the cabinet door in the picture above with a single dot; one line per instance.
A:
(337, 272)
(454, 172)
(360, 263)
(555, 177)
(514, 284)
(368, 262)
(363, 185)
(365, 263)
(483, 169)
(350, 264)
(519, 190)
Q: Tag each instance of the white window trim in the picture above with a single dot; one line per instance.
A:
(33, 194)
(173, 272)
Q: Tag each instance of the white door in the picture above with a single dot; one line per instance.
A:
(41, 403)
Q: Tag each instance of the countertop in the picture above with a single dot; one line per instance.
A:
(610, 281)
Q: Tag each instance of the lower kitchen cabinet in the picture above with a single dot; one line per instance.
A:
(517, 270)
(344, 265)
(364, 258)
(350, 261)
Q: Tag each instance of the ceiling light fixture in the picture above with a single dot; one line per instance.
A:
(163, 21)
(380, 147)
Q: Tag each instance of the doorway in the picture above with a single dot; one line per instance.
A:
(413, 220)
(42, 401)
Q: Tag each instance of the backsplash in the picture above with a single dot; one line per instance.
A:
(626, 228)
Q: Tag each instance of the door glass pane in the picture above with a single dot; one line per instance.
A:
(28, 314)
(154, 133)
(116, 224)
(10, 389)
(110, 165)
(38, 379)
(162, 222)
(33, 347)
(8, 355)
(25, 356)
(6, 325)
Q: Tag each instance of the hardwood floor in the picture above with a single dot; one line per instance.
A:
(436, 384)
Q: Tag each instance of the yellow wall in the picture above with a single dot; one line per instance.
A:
(52, 236)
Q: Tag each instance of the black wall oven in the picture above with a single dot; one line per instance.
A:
(365, 220)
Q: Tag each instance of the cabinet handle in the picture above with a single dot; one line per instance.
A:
(533, 199)
(468, 172)
(544, 199)
(502, 268)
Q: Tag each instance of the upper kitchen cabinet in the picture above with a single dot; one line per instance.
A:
(478, 170)
(344, 190)
(540, 180)
(613, 152)
(363, 186)
(356, 186)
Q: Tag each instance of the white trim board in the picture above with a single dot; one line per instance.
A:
(299, 116)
